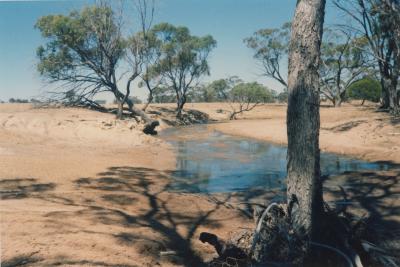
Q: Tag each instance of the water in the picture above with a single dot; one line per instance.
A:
(209, 161)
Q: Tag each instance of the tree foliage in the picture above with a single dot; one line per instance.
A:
(270, 46)
(246, 96)
(83, 48)
(378, 22)
(342, 55)
(365, 89)
(84, 53)
(183, 59)
(343, 61)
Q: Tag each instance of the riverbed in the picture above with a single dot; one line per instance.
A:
(209, 161)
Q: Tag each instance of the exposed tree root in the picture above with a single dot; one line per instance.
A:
(342, 242)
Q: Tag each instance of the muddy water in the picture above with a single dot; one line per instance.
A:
(209, 161)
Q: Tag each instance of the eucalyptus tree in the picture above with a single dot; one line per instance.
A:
(304, 188)
(218, 90)
(378, 22)
(246, 96)
(342, 62)
(84, 53)
(270, 49)
(363, 89)
(151, 79)
(183, 59)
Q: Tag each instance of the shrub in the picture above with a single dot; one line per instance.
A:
(365, 89)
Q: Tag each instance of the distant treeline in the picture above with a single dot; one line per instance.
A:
(21, 100)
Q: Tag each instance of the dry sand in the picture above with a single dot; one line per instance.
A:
(81, 189)
(354, 130)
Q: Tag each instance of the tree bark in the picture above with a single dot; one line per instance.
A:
(150, 124)
(393, 95)
(120, 110)
(149, 100)
(304, 189)
(180, 104)
(385, 84)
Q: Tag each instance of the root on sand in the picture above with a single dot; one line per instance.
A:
(344, 240)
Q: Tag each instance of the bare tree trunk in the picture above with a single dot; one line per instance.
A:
(304, 189)
(149, 100)
(150, 124)
(333, 100)
(393, 95)
(120, 109)
(389, 93)
(385, 84)
(120, 106)
(181, 103)
(338, 102)
(233, 115)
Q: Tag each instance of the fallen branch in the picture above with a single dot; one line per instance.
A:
(258, 228)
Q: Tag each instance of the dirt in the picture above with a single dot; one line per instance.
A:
(79, 188)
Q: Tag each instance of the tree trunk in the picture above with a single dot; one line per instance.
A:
(393, 95)
(304, 189)
(338, 102)
(120, 106)
(342, 97)
(333, 100)
(181, 103)
(389, 93)
(150, 124)
(149, 100)
(385, 84)
(233, 115)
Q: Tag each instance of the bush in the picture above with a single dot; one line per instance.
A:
(365, 89)
(251, 93)
(17, 100)
(283, 97)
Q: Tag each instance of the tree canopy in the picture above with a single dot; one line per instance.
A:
(343, 61)
(365, 89)
(270, 46)
(183, 58)
(83, 48)
(246, 96)
(84, 51)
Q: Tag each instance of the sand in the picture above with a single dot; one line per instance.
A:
(82, 189)
(355, 130)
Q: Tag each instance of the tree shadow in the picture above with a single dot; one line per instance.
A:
(373, 195)
(395, 120)
(345, 126)
(23, 188)
(141, 199)
(21, 260)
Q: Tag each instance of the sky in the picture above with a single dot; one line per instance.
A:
(228, 21)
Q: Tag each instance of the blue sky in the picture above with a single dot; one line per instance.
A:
(228, 21)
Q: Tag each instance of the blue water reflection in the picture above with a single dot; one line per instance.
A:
(209, 162)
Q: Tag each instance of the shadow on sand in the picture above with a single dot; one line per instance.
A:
(133, 198)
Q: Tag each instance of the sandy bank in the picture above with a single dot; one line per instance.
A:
(79, 188)
(352, 130)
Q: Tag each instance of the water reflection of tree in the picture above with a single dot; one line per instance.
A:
(193, 175)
